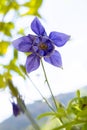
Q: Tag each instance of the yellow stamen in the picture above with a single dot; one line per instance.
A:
(43, 46)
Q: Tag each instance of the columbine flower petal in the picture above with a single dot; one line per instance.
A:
(54, 59)
(32, 63)
(37, 27)
(58, 38)
(23, 44)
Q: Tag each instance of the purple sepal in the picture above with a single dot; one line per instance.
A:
(32, 63)
(58, 38)
(54, 59)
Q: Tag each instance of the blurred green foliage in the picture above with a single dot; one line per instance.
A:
(6, 28)
(3, 47)
(33, 7)
(70, 117)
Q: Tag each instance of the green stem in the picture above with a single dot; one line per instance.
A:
(48, 84)
(41, 94)
(28, 114)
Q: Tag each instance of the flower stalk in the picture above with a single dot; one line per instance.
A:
(46, 79)
(41, 94)
(28, 114)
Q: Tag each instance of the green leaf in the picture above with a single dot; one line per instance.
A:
(2, 82)
(7, 76)
(2, 6)
(73, 106)
(15, 56)
(33, 3)
(13, 89)
(21, 31)
(32, 11)
(12, 66)
(46, 114)
(6, 28)
(83, 113)
(69, 124)
(59, 114)
(3, 47)
(14, 5)
(84, 127)
(17, 70)
(34, 6)
(23, 69)
(7, 5)
(78, 93)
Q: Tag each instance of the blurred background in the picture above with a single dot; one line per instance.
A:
(67, 16)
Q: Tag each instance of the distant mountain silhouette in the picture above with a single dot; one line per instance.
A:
(38, 107)
(21, 122)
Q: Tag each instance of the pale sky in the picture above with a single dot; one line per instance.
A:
(70, 17)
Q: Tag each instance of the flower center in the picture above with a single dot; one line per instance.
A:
(43, 46)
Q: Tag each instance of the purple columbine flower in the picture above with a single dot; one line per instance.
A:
(16, 109)
(41, 45)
